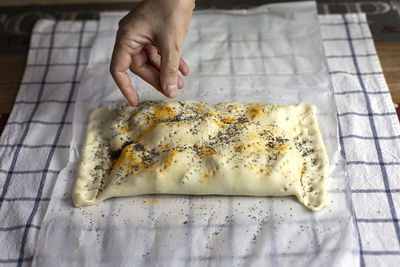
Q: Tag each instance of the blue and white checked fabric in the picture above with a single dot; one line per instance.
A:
(369, 135)
(34, 144)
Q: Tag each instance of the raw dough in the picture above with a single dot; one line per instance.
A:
(186, 147)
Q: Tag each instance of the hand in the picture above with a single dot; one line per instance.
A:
(148, 43)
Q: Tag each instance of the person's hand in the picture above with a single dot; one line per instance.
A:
(148, 43)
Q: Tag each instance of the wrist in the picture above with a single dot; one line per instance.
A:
(187, 5)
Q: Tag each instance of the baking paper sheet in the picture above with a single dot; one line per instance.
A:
(272, 53)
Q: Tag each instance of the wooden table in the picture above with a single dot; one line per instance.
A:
(12, 67)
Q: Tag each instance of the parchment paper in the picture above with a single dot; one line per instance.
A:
(272, 53)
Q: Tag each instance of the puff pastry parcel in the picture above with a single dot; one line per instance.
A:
(186, 147)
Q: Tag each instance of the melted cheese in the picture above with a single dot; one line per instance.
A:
(185, 147)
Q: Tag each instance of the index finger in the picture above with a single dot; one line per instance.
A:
(120, 62)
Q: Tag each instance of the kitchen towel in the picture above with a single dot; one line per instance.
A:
(35, 142)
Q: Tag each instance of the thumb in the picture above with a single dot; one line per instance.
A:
(170, 55)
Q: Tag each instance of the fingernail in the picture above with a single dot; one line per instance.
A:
(171, 88)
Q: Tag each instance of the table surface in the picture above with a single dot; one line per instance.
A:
(12, 68)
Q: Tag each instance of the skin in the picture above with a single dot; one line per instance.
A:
(148, 43)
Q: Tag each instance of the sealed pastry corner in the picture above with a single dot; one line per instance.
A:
(186, 147)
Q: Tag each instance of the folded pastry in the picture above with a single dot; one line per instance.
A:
(186, 147)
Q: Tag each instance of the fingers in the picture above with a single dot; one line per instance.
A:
(153, 56)
(181, 83)
(152, 76)
(183, 67)
(170, 57)
(120, 62)
(149, 75)
(155, 61)
(141, 67)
